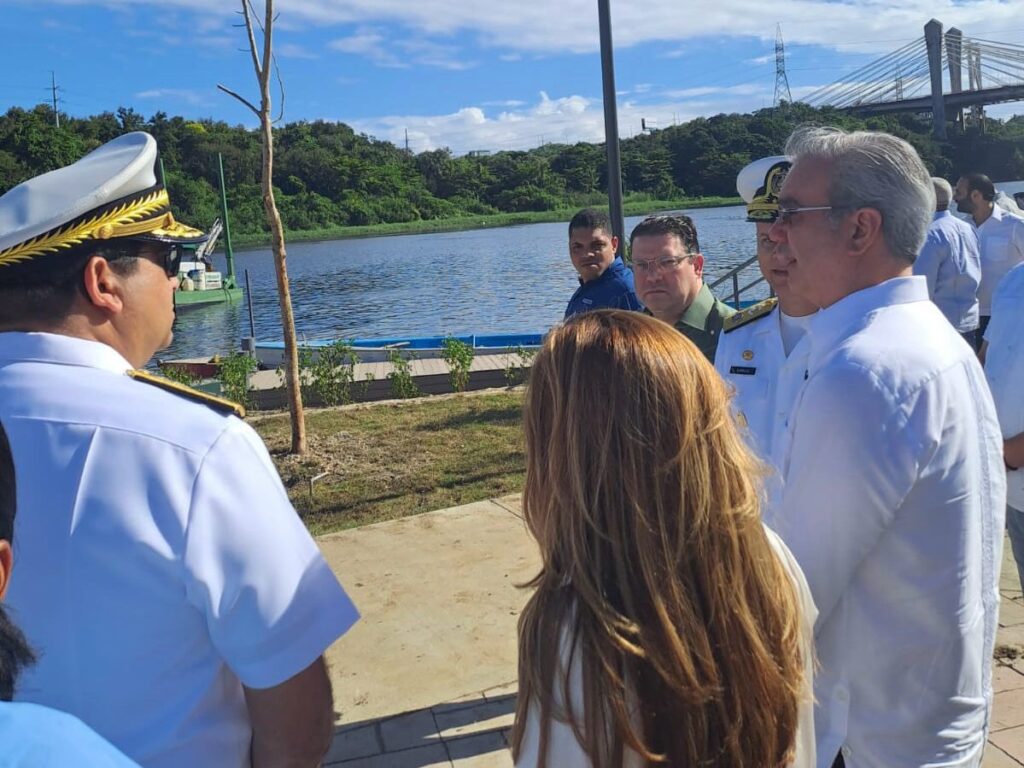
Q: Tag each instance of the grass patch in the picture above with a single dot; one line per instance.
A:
(630, 208)
(390, 460)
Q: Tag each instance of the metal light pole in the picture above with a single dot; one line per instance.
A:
(228, 250)
(611, 124)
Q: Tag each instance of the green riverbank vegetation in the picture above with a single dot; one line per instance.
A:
(331, 182)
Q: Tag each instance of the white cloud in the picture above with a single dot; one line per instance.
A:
(197, 98)
(431, 54)
(384, 51)
(368, 42)
(528, 27)
(566, 119)
(293, 51)
(746, 89)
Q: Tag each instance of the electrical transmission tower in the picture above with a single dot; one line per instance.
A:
(781, 81)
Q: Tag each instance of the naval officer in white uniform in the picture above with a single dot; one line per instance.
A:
(761, 352)
(177, 603)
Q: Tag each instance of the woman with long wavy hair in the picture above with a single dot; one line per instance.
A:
(668, 626)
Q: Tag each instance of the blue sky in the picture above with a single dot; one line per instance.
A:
(466, 74)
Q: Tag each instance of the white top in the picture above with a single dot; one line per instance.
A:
(766, 382)
(1002, 247)
(1004, 368)
(564, 751)
(793, 329)
(893, 503)
(950, 262)
(160, 564)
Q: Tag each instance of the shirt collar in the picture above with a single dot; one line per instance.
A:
(16, 346)
(696, 315)
(831, 325)
(997, 215)
(615, 268)
(941, 214)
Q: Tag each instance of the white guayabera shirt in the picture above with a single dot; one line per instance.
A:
(893, 504)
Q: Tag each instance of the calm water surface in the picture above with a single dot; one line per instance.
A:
(507, 280)
(512, 279)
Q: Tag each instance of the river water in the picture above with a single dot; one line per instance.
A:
(508, 280)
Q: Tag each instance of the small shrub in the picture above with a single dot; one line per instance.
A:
(235, 371)
(459, 357)
(518, 369)
(402, 384)
(331, 374)
(180, 375)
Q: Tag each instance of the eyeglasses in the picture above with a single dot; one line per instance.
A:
(168, 257)
(786, 214)
(666, 264)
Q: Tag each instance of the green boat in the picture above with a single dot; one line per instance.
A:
(199, 284)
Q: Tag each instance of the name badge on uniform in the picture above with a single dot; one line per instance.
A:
(743, 370)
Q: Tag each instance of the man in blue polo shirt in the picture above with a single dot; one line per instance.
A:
(605, 282)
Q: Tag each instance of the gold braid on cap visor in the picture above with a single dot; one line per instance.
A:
(763, 210)
(148, 214)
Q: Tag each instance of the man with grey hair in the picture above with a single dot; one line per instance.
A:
(894, 491)
(951, 263)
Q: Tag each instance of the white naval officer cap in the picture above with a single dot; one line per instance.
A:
(759, 184)
(115, 191)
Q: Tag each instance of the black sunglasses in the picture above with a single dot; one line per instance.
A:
(163, 255)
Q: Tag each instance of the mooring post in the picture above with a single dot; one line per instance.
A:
(933, 41)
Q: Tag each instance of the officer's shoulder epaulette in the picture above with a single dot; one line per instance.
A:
(217, 403)
(749, 315)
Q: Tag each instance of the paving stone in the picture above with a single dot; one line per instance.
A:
(462, 702)
(413, 729)
(485, 750)
(500, 691)
(434, 756)
(493, 715)
(1006, 678)
(1007, 710)
(1010, 743)
(1011, 613)
(350, 743)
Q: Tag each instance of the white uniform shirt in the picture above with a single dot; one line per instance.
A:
(1004, 367)
(1001, 236)
(752, 359)
(564, 751)
(893, 504)
(160, 563)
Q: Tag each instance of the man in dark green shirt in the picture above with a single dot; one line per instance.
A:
(669, 273)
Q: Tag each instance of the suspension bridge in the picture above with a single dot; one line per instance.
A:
(927, 75)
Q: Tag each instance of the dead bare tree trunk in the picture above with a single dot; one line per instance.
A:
(263, 63)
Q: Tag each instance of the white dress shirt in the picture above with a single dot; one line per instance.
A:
(564, 751)
(950, 262)
(1001, 236)
(893, 504)
(766, 382)
(160, 563)
(1004, 368)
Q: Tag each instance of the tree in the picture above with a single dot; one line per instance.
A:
(262, 62)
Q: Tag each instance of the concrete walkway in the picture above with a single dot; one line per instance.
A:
(427, 678)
